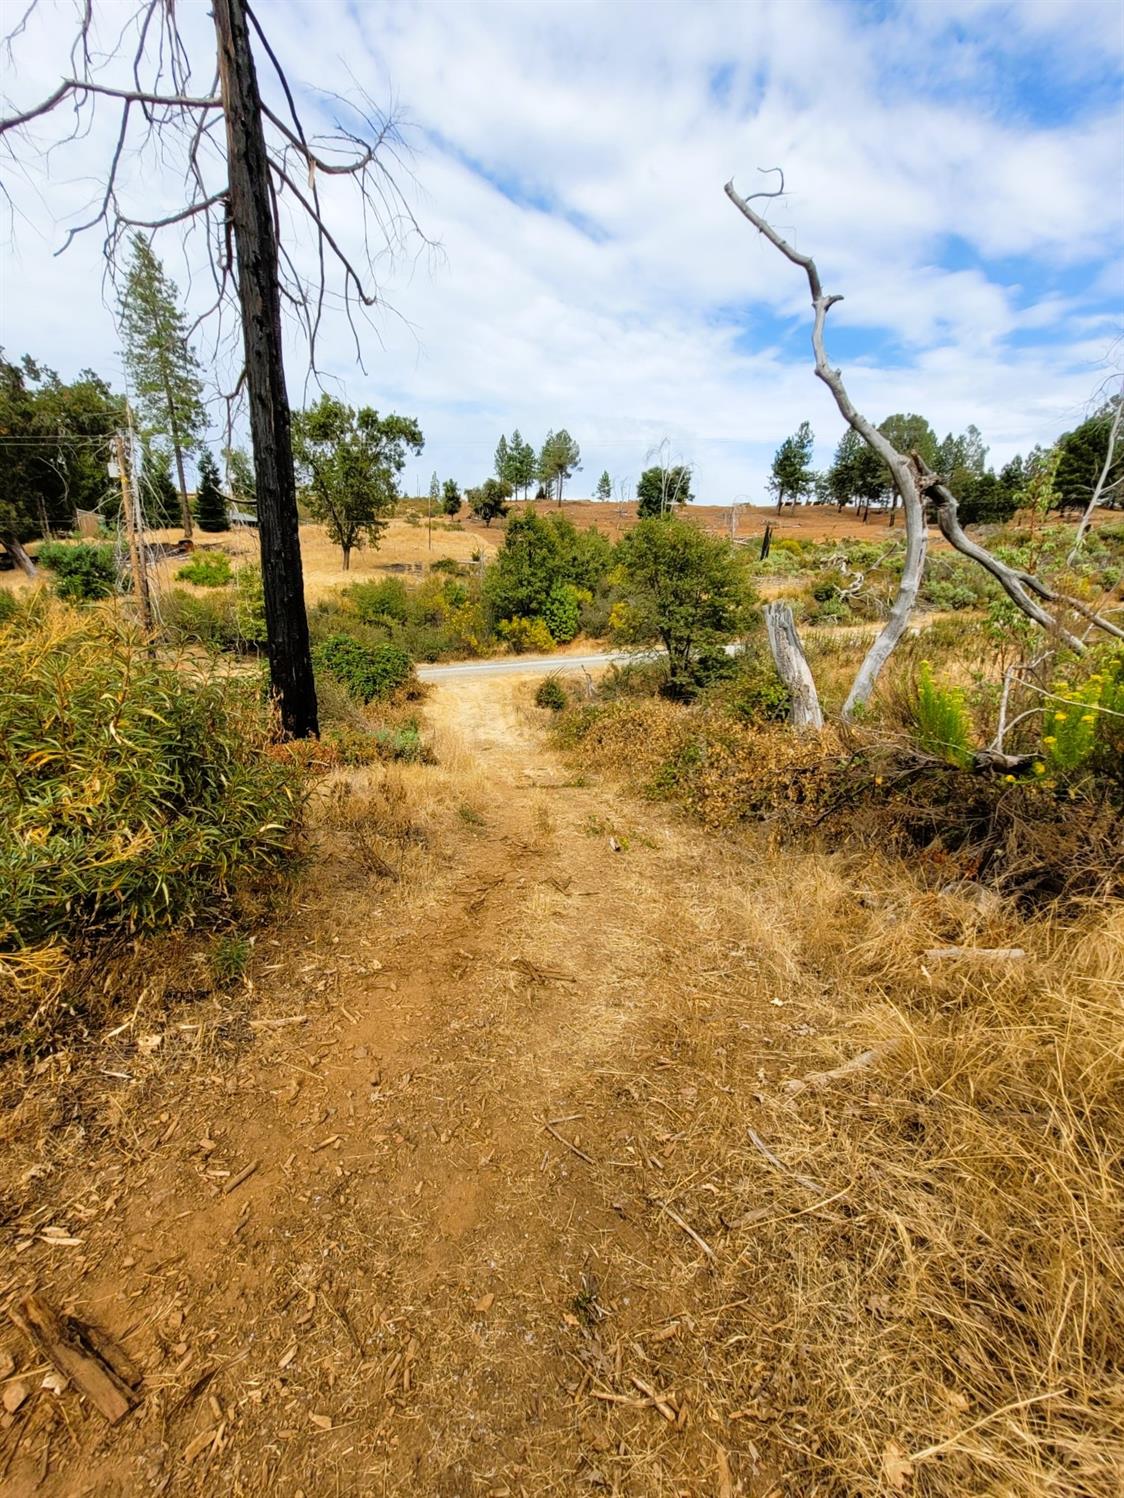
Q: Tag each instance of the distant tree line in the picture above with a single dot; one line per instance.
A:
(1060, 478)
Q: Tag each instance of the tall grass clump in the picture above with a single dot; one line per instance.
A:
(133, 797)
(944, 727)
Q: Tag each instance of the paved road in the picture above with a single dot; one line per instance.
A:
(532, 665)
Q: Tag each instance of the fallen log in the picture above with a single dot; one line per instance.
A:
(93, 1362)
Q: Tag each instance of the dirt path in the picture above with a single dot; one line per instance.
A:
(464, 1260)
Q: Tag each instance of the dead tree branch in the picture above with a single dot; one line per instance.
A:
(1023, 588)
(1102, 481)
(916, 483)
(914, 563)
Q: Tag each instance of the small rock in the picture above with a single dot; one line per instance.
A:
(55, 1383)
(14, 1395)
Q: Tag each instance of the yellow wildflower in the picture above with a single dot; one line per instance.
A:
(1049, 739)
(1060, 717)
(1010, 779)
(1088, 718)
(1039, 767)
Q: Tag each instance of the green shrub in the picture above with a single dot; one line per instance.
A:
(525, 634)
(207, 570)
(369, 674)
(755, 693)
(551, 694)
(943, 725)
(135, 797)
(1083, 727)
(562, 611)
(189, 619)
(83, 572)
(377, 602)
(249, 606)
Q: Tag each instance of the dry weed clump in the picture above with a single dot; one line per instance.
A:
(1035, 842)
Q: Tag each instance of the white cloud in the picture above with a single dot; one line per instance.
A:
(570, 159)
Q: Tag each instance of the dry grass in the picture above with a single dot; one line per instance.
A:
(908, 1277)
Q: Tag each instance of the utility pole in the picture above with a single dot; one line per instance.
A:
(255, 245)
(133, 519)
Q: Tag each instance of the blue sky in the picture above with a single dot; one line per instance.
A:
(956, 167)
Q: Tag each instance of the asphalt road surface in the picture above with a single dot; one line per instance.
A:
(532, 665)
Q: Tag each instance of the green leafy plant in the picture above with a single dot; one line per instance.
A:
(369, 673)
(82, 572)
(525, 634)
(551, 694)
(229, 957)
(562, 611)
(132, 796)
(944, 727)
(1083, 726)
(207, 570)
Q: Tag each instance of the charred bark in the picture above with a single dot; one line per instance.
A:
(251, 212)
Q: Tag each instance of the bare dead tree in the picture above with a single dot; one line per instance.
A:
(250, 168)
(916, 484)
(1102, 485)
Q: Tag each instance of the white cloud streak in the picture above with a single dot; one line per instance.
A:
(570, 159)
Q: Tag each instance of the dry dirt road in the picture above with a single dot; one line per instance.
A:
(476, 1252)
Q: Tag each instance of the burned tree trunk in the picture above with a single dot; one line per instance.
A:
(255, 242)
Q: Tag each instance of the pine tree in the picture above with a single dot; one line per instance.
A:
(163, 369)
(521, 473)
(792, 474)
(159, 501)
(450, 497)
(604, 485)
(503, 460)
(210, 501)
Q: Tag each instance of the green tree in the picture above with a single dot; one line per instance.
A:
(659, 489)
(1081, 460)
(539, 557)
(961, 457)
(160, 499)
(791, 477)
(857, 474)
(908, 432)
(210, 501)
(350, 461)
(434, 489)
(559, 459)
(55, 442)
(604, 485)
(688, 588)
(521, 470)
(240, 479)
(503, 461)
(450, 497)
(163, 369)
(984, 498)
(489, 501)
